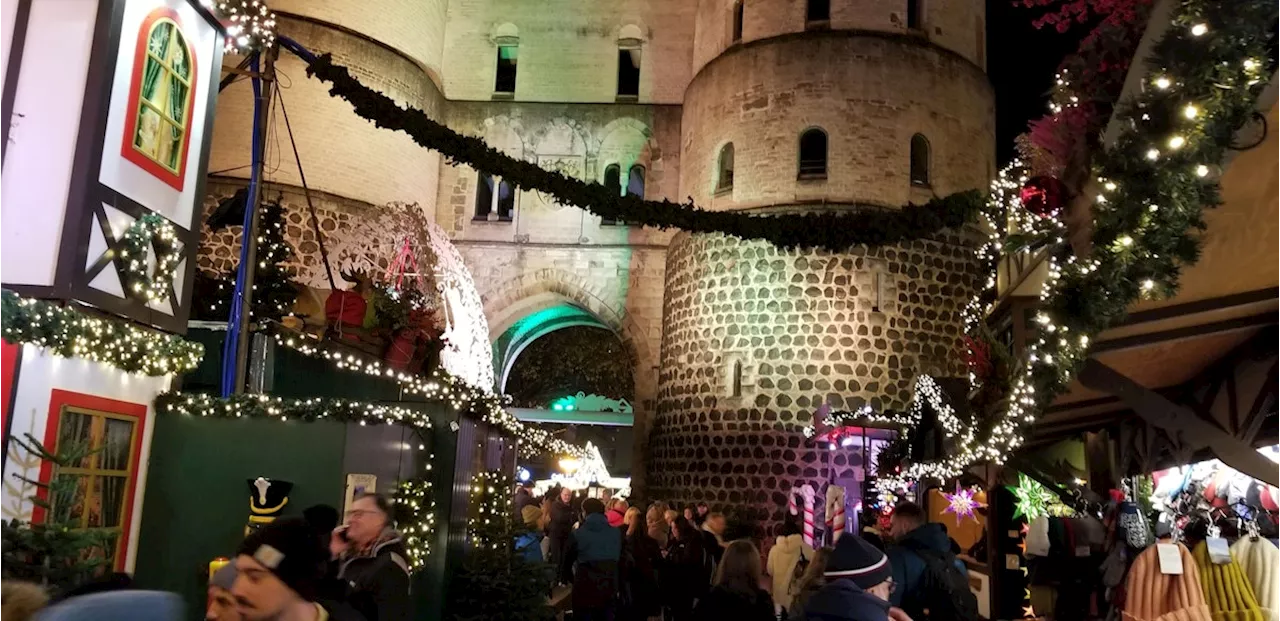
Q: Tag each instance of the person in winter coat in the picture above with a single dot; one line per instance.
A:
(687, 570)
(593, 552)
(524, 498)
(279, 572)
(529, 543)
(369, 555)
(910, 533)
(638, 571)
(859, 583)
(560, 532)
(810, 583)
(616, 513)
(736, 594)
(657, 525)
(783, 558)
(713, 535)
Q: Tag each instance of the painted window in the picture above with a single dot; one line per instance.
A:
(629, 71)
(100, 494)
(505, 81)
(919, 160)
(161, 98)
(817, 11)
(724, 169)
(737, 21)
(813, 154)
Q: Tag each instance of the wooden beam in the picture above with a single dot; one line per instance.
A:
(1175, 419)
(1188, 332)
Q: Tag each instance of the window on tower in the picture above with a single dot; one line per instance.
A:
(919, 161)
(724, 169)
(635, 181)
(813, 154)
(737, 21)
(505, 81)
(506, 201)
(816, 12)
(494, 197)
(484, 196)
(612, 181)
(629, 72)
(915, 14)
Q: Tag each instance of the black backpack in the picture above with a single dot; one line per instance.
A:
(943, 592)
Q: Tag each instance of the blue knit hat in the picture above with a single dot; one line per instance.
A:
(857, 560)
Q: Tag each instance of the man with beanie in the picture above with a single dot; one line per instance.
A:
(222, 604)
(279, 568)
(593, 553)
(859, 583)
(529, 543)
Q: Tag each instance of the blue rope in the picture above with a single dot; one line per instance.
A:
(231, 347)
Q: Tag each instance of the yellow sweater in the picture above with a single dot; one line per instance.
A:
(1228, 592)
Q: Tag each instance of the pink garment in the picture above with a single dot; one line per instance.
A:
(615, 517)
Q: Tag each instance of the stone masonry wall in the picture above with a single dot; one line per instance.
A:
(804, 328)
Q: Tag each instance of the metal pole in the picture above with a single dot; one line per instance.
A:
(250, 236)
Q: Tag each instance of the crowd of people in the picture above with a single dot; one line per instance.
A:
(635, 564)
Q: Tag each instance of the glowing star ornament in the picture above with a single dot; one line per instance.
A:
(961, 503)
(1033, 499)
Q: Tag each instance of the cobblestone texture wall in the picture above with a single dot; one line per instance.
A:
(803, 328)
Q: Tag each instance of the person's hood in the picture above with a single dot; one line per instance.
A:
(931, 536)
(842, 599)
(595, 521)
(789, 544)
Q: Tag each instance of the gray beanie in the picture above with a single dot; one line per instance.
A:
(225, 577)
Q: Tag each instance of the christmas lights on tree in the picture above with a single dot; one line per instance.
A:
(70, 333)
(416, 516)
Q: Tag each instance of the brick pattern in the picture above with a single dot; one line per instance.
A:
(413, 27)
(807, 328)
(870, 103)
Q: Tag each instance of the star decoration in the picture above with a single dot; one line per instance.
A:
(961, 503)
(1028, 612)
(1032, 498)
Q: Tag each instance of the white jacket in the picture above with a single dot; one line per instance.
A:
(783, 557)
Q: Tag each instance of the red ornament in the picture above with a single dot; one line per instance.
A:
(1043, 196)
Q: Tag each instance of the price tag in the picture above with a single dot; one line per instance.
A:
(1082, 550)
(1219, 553)
(1011, 562)
(1170, 558)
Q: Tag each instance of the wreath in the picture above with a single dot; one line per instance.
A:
(154, 231)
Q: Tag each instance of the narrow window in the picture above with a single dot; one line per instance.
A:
(919, 160)
(914, 14)
(817, 11)
(505, 82)
(629, 72)
(635, 181)
(612, 181)
(506, 201)
(735, 379)
(813, 154)
(878, 302)
(484, 196)
(737, 21)
(724, 169)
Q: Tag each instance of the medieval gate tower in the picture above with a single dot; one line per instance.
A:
(761, 105)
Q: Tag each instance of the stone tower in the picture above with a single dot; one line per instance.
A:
(813, 105)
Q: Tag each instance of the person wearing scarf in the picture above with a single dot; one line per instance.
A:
(370, 557)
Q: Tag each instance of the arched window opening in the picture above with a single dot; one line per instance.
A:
(737, 21)
(724, 169)
(628, 69)
(495, 199)
(919, 160)
(484, 196)
(612, 181)
(813, 154)
(817, 11)
(635, 181)
(504, 82)
(161, 97)
(506, 201)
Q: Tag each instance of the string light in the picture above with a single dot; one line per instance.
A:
(490, 518)
(1163, 83)
(1199, 30)
(150, 231)
(115, 342)
(416, 501)
(309, 410)
(250, 25)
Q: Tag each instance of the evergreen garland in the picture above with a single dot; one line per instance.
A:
(829, 230)
(150, 231)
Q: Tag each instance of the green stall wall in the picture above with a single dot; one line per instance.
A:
(196, 503)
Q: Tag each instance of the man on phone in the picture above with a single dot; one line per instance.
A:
(369, 555)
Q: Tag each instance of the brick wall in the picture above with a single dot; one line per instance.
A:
(413, 27)
(953, 24)
(871, 97)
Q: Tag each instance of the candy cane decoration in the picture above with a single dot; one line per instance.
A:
(835, 512)
(807, 492)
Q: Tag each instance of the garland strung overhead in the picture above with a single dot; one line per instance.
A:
(1203, 79)
(834, 231)
(70, 333)
(278, 408)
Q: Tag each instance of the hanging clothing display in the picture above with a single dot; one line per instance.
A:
(1258, 559)
(1228, 592)
(1155, 596)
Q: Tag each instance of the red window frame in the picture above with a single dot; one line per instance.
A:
(59, 399)
(174, 180)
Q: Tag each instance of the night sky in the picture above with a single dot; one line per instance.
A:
(1020, 62)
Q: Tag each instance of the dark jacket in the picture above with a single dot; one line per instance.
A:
(638, 577)
(842, 600)
(561, 526)
(711, 543)
(907, 564)
(722, 603)
(684, 574)
(378, 581)
(524, 499)
(593, 553)
(339, 611)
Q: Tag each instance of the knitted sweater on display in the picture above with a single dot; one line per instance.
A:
(1153, 596)
(1228, 592)
(1258, 560)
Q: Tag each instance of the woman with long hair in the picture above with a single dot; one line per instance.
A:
(658, 529)
(638, 570)
(736, 593)
(811, 582)
(687, 576)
